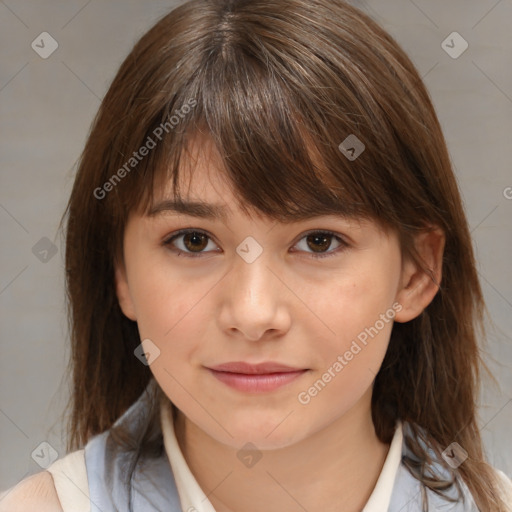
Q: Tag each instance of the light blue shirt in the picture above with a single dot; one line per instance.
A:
(153, 485)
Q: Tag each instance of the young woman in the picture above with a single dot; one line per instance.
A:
(273, 295)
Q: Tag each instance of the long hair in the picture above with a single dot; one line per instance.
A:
(279, 85)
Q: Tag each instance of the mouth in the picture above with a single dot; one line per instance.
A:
(255, 378)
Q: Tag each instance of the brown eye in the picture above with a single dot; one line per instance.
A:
(195, 241)
(189, 242)
(319, 243)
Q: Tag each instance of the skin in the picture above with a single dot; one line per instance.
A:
(285, 306)
(36, 492)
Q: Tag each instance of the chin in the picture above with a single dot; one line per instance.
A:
(266, 433)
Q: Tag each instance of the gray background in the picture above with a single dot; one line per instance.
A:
(47, 105)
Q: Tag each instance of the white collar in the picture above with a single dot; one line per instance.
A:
(192, 497)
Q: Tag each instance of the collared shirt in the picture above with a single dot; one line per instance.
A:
(70, 475)
(193, 498)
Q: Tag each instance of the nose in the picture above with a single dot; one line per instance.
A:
(255, 303)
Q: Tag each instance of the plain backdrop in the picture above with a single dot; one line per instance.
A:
(46, 108)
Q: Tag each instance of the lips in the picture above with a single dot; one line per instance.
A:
(254, 369)
(255, 378)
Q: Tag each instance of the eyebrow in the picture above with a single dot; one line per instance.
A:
(191, 208)
(219, 212)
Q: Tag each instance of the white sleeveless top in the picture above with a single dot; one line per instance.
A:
(70, 475)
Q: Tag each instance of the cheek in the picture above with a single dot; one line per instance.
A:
(172, 315)
(358, 309)
(361, 315)
(168, 306)
(355, 303)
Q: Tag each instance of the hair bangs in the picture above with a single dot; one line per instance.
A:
(280, 162)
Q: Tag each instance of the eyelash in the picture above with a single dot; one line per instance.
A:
(343, 244)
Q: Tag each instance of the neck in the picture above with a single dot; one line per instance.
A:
(334, 469)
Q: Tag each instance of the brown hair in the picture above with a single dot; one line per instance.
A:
(278, 85)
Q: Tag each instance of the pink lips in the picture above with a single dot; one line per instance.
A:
(255, 378)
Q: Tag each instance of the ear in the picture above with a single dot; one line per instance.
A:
(123, 292)
(418, 287)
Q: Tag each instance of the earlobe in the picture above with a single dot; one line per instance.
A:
(123, 292)
(420, 285)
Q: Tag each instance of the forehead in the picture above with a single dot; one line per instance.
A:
(202, 178)
(204, 189)
(206, 193)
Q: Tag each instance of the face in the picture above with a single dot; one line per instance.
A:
(256, 330)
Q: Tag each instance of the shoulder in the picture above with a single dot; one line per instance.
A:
(37, 492)
(505, 484)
